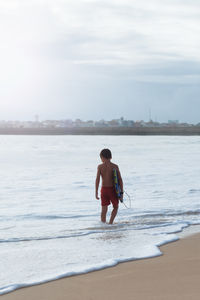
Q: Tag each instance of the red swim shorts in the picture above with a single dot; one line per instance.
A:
(108, 195)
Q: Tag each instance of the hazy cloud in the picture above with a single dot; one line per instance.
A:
(57, 55)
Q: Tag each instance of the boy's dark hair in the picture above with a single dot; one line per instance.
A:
(106, 153)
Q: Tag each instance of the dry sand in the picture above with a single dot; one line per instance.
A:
(172, 276)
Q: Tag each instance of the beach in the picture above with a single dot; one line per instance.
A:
(173, 275)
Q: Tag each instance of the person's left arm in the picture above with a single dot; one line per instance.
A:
(120, 182)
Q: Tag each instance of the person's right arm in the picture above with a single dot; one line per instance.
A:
(97, 182)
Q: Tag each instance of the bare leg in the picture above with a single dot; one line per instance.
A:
(104, 210)
(113, 214)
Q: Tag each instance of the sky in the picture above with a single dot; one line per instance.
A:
(97, 59)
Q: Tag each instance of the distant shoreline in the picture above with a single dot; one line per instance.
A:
(185, 131)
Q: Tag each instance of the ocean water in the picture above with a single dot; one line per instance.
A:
(50, 220)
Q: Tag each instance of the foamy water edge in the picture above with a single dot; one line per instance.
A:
(184, 233)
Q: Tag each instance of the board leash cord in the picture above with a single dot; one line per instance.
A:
(129, 198)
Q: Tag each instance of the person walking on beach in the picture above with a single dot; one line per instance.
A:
(108, 194)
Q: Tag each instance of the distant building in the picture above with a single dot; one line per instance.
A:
(113, 123)
(174, 122)
(89, 123)
(101, 123)
(152, 124)
(128, 123)
(67, 123)
(79, 123)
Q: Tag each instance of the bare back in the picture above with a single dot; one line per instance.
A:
(106, 172)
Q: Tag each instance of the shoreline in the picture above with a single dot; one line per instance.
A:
(129, 279)
(169, 131)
